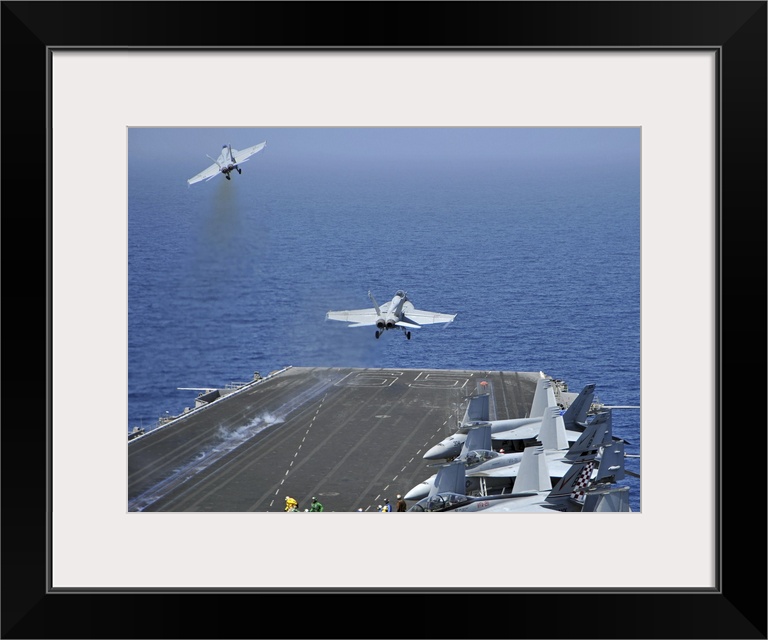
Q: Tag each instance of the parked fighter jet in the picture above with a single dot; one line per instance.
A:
(524, 428)
(228, 161)
(477, 443)
(398, 313)
(578, 490)
(451, 446)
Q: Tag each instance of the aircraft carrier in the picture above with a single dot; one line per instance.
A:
(350, 437)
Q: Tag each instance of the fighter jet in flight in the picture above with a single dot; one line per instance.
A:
(229, 160)
(398, 313)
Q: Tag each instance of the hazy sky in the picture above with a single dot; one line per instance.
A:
(188, 146)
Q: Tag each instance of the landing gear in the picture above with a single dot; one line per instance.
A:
(239, 170)
(226, 175)
(378, 333)
(408, 335)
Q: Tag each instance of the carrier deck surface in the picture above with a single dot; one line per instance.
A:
(350, 437)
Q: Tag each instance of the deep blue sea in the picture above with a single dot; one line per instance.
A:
(539, 258)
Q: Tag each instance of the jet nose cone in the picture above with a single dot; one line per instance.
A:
(418, 492)
(422, 489)
(436, 453)
(448, 448)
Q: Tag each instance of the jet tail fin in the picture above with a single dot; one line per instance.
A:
(573, 484)
(450, 478)
(375, 304)
(578, 409)
(477, 438)
(596, 434)
(478, 409)
(552, 433)
(543, 397)
(611, 467)
(533, 474)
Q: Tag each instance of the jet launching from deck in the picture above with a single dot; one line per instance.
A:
(398, 313)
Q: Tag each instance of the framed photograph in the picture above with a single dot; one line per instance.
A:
(688, 78)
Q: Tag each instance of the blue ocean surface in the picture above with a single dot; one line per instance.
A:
(532, 237)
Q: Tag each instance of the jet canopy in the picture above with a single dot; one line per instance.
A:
(478, 456)
(440, 502)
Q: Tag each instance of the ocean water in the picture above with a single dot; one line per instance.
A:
(539, 257)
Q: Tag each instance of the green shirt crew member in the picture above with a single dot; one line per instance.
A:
(316, 505)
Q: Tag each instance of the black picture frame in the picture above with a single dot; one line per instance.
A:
(735, 609)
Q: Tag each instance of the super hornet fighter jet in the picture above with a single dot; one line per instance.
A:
(228, 161)
(398, 313)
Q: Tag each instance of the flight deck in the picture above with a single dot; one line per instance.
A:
(350, 437)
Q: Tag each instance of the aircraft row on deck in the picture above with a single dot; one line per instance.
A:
(564, 460)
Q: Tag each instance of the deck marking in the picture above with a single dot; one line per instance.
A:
(411, 460)
(439, 381)
(370, 379)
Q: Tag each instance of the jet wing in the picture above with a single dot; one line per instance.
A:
(242, 155)
(530, 431)
(206, 174)
(501, 472)
(359, 317)
(555, 467)
(519, 433)
(417, 316)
